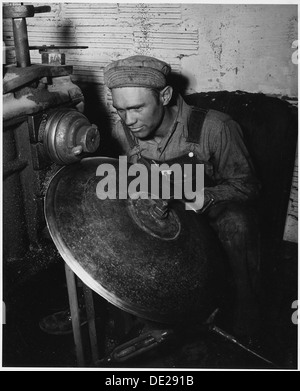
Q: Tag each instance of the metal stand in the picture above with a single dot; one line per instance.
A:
(90, 312)
(75, 314)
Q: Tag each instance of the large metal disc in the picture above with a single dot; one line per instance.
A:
(162, 275)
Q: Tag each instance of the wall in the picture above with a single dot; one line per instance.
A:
(291, 225)
(218, 47)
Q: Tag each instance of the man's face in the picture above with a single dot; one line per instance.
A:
(139, 109)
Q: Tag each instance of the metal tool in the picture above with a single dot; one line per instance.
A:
(136, 346)
(67, 136)
(18, 14)
(217, 330)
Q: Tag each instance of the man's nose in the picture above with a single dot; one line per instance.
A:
(129, 118)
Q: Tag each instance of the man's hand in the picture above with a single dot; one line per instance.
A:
(201, 202)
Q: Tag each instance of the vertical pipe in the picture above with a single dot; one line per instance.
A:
(21, 42)
(73, 301)
(90, 311)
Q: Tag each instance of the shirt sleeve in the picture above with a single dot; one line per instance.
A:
(233, 169)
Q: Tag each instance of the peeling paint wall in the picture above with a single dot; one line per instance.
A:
(245, 47)
(219, 47)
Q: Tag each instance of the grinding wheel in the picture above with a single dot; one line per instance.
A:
(161, 270)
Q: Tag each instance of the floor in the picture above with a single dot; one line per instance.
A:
(44, 292)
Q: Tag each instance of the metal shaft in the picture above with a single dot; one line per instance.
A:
(217, 330)
(21, 42)
(230, 338)
(74, 308)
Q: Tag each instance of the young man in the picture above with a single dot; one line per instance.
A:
(152, 130)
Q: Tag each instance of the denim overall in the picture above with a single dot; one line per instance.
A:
(236, 225)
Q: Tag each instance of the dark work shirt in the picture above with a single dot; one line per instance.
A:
(221, 148)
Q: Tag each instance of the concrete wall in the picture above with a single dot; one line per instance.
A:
(219, 47)
(245, 47)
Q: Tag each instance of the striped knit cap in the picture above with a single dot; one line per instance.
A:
(137, 71)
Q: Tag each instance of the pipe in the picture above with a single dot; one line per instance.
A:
(21, 42)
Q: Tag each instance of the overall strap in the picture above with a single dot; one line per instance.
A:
(195, 124)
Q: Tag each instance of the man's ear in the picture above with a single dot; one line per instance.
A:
(166, 95)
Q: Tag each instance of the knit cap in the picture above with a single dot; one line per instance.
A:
(137, 71)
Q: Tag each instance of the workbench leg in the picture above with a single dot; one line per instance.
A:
(73, 301)
(90, 312)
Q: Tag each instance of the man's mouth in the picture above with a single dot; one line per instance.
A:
(135, 130)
